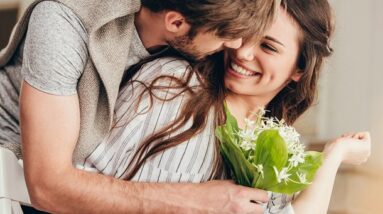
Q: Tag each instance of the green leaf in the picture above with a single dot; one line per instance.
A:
(230, 128)
(270, 151)
(231, 122)
(313, 160)
(219, 133)
(242, 170)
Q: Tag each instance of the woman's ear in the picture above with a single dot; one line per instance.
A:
(296, 75)
(175, 23)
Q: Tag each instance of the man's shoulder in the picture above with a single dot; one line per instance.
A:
(53, 11)
(55, 49)
(52, 7)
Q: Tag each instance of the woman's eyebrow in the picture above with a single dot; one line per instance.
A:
(274, 40)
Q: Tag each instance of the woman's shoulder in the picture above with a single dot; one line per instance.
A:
(166, 66)
(173, 62)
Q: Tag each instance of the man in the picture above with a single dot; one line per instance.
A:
(66, 59)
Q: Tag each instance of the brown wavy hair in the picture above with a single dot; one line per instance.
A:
(226, 18)
(314, 18)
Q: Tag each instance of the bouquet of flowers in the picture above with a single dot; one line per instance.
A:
(267, 154)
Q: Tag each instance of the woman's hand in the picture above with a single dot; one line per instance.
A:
(352, 148)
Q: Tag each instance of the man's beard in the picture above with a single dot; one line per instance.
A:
(184, 45)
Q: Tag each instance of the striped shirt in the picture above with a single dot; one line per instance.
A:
(136, 119)
(190, 161)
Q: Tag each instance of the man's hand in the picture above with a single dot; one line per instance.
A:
(211, 197)
(227, 197)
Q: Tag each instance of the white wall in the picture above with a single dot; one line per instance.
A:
(376, 116)
(351, 98)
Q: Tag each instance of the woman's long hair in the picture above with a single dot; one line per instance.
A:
(315, 21)
(314, 18)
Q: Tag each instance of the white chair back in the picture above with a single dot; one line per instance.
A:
(13, 190)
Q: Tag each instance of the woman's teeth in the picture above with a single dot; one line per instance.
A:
(242, 70)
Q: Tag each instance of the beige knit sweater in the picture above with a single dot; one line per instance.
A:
(110, 25)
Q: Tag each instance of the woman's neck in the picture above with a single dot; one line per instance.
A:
(242, 106)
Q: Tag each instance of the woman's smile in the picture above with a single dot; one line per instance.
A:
(240, 71)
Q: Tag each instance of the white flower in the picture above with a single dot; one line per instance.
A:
(262, 111)
(297, 158)
(282, 175)
(253, 128)
(247, 134)
(259, 168)
(247, 139)
(249, 123)
(302, 177)
(270, 123)
(247, 145)
(289, 134)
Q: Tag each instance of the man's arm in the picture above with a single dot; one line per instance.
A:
(49, 129)
(54, 58)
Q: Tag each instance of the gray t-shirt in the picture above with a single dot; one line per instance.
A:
(51, 59)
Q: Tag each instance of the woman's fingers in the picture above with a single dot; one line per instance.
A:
(347, 134)
(362, 136)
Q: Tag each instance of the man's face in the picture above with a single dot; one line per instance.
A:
(203, 44)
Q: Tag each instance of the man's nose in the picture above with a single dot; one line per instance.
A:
(234, 44)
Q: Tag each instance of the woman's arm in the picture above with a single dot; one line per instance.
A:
(354, 150)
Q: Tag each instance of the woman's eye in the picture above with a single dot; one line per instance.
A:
(269, 47)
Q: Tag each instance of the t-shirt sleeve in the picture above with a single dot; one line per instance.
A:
(55, 49)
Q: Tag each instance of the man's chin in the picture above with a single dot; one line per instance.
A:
(192, 56)
(196, 56)
(205, 55)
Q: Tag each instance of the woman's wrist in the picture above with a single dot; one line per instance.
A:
(334, 153)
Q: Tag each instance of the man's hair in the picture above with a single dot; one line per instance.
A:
(226, 18)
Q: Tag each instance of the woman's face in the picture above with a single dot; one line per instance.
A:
(263, 69)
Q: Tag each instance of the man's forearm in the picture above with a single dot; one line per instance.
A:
(82, 192)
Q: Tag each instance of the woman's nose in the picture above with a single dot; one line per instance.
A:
(245, 52)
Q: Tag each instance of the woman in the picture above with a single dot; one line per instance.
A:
(165, 125)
